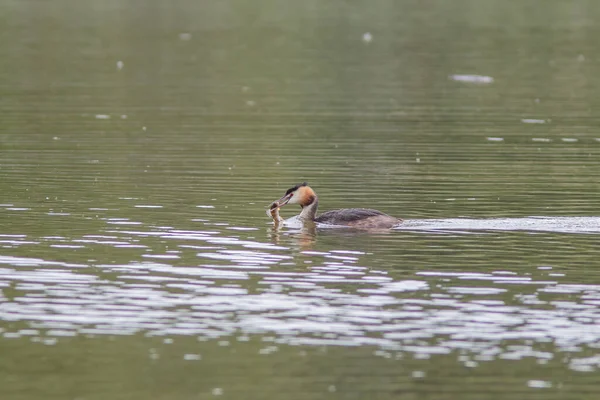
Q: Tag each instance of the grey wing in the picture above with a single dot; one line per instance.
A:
(346, 215)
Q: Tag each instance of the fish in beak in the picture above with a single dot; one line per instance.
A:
(287, 197)
(282, 201)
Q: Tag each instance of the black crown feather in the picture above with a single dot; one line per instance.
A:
(298, 186)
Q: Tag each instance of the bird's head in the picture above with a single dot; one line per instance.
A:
(300, 194)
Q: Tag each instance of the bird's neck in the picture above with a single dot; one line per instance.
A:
(309, 212)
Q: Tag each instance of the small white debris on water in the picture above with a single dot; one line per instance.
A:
(102, 116)
(533, 121)
(55, 138)
(144, 128)
(185, 36)
(217, 392)
(581, 58)
(539, 139)
(331, 389)
(479, 79)
(495, 139)
(539, 384)
(250, 103)
(192, 357)
(418, 374)
(202, 206)
(123, 116)
(120, 65)
(367, 37)
(147, 206)
(154, 354)
(569, 140)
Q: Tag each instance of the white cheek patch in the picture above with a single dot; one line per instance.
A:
(295, 198)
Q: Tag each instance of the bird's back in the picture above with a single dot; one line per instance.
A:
(358, 218)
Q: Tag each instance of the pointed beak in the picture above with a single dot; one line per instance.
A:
(282, 201)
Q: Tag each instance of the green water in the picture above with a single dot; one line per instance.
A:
(141, 142)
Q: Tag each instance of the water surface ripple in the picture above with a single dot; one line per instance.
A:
(214, 285)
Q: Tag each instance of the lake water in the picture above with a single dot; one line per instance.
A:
(141, 143)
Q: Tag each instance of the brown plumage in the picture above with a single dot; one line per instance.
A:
(274, 213)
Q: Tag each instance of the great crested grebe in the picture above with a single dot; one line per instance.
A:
(362, 218)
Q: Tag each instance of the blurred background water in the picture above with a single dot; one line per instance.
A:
(142, 141)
